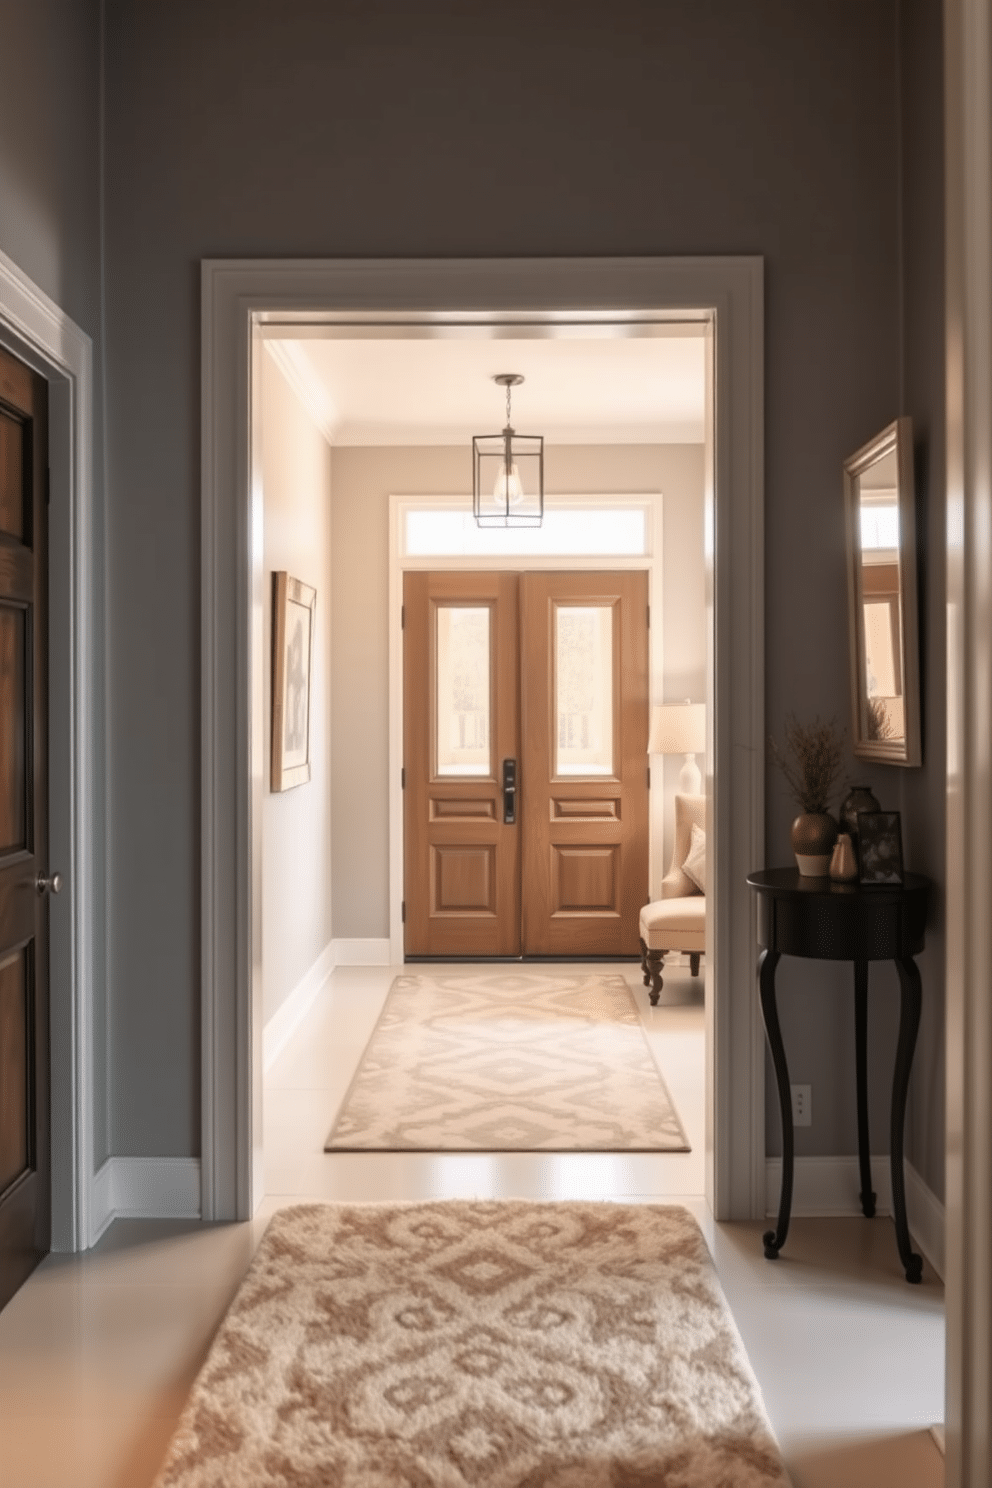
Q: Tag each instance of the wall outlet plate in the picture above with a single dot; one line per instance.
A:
(802, 1105)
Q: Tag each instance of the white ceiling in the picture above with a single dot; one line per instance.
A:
(596, 390)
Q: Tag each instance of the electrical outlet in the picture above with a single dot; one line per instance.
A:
(802, 1105)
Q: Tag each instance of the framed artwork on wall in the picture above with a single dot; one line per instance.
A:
(293, 605)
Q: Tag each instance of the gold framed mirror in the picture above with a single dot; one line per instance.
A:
(880, 507)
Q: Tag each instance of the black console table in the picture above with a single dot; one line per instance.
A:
(815, 917)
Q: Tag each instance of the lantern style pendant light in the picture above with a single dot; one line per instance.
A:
(508, 472)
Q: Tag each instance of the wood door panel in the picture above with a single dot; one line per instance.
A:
(13, 729)
(461, 860)
(585, 849)
(16, 1118)
(463, 879)
(584, 879)
(25, 1197)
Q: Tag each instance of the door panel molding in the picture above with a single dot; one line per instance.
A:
(241, 298)
(37, 331)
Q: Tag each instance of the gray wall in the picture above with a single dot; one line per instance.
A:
(50, 57)
(369, 129)
(296, 823)
(363, 481)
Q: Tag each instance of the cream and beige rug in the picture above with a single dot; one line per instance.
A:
(488, 1345)
(508, 1061)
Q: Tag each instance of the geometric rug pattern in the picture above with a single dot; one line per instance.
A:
(509, 1060)
(477, 1345)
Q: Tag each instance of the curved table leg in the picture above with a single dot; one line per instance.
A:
(767, 962)
(861, 1060)
(909, 1023)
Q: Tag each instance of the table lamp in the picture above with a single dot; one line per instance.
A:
(680, 728)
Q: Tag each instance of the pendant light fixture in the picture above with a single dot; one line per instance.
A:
(508, 472)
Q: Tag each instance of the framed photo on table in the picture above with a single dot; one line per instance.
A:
(293, 605)
(880, 847)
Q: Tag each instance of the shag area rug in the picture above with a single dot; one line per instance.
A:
(488, 1345)
(508, 1061)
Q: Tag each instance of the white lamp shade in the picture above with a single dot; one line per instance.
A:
(678, 728)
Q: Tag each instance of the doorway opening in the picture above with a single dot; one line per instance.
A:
(244, 303)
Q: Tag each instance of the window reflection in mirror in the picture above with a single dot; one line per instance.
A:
(881, 528)
(878, 501)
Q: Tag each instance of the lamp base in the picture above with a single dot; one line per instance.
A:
(690, 780)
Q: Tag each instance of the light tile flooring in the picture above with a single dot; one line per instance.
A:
(98, 1352)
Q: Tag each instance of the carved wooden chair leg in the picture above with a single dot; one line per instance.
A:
(656, 960)
(644, 963)
(694, 962)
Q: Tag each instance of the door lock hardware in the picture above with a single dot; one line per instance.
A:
(49, 885)
(509, 791)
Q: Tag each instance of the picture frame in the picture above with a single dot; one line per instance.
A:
(880, 847)
(293, 608)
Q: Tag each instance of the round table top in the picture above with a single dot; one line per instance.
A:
(789, 882)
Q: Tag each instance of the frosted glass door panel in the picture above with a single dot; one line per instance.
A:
(583, 690)
(463, 725)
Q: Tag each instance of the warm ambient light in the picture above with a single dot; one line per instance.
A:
(516, 501)
(680, 728)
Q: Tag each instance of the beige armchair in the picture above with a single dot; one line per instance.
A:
(676, 921)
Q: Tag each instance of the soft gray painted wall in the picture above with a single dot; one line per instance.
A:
(296, 824)
(364, 479)
(713, 128)
(50, 227)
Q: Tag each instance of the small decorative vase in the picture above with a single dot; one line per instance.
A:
(859, 798)
(843, 863)
(813, 836)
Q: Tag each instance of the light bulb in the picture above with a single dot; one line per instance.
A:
(508, 489)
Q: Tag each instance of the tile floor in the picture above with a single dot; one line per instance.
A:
(97, 1352)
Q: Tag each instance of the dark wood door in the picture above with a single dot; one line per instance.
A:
(460, 724)
(25, 1198)
(546, 673)
(584, 724)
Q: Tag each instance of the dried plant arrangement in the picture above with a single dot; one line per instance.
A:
(879, 725)
(812, 761)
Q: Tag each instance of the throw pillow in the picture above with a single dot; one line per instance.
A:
(695, 864)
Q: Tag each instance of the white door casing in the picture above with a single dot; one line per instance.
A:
(240, 300)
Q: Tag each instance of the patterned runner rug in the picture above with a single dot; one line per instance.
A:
(489, 1345)
(508, 1061)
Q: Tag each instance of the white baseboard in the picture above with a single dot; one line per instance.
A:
(145, 1188)
(290, 1014)
(831, 1185)
(362, 952)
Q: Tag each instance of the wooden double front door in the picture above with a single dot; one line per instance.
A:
(525, 765)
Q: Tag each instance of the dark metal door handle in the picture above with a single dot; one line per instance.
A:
(509, 791)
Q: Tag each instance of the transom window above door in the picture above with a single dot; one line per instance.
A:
(573, 528)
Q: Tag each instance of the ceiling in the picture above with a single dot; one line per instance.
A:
(580, 390)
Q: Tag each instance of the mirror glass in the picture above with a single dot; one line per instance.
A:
(882, 584)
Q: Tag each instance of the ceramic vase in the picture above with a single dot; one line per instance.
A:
(859, 798)
(843, 863)
(813, 836)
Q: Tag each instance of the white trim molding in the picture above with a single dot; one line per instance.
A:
(244, 301)
(831, 1185)
(968, 279)
(34, 328)
(146, 1188)
(288, 1016)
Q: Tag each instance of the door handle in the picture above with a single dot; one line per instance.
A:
(509, 791)
(49, 884)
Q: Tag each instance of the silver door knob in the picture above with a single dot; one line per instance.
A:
(52, 885)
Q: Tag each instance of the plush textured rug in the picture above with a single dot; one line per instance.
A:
(519, 1061)
(488, 1345)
